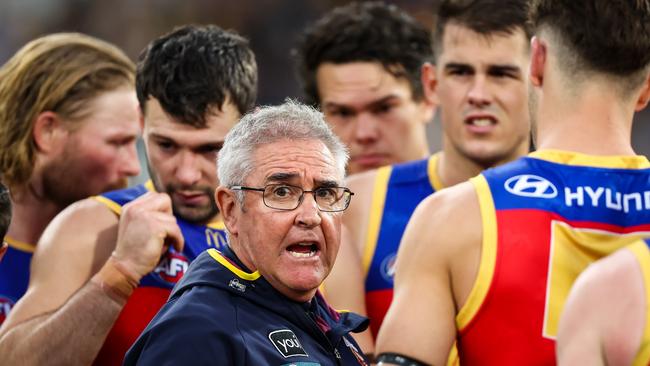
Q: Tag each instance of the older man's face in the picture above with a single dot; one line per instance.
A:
(294, 250)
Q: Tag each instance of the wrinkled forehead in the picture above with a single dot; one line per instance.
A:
(298, 162)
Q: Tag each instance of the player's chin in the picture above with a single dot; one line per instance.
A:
(195, 214)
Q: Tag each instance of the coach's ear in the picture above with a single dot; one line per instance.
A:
(229, 206)
(537, 61)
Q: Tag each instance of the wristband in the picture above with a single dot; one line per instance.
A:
(398, 359)
(116, 280)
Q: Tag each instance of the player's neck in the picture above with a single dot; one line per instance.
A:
(453, 168)
(594, 123)
(30, 215)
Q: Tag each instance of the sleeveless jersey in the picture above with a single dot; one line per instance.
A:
(545, 218)
(641, 250)
(155, 287)
(14, 274)
(397, 192)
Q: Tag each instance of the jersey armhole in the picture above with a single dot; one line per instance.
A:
(485, 273)
(376, 213)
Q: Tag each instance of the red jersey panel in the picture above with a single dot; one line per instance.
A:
(546, 217)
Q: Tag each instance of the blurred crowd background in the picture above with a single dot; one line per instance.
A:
(272, 26)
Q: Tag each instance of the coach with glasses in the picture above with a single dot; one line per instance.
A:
(256, 302)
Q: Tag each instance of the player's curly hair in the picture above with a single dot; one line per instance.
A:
(368, 31)
(196, 68)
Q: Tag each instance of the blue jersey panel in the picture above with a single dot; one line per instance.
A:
(408, 185)
(580, 193)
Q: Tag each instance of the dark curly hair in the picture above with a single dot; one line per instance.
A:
(369, 31)
(5, 211)
(611, 37)
(481, 16)
(195, 68)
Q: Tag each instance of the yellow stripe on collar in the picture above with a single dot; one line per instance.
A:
(574, 158)
(226, 263)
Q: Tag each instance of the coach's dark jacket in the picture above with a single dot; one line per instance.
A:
(219, 314)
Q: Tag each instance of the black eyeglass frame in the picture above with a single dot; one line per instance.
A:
(302, 196)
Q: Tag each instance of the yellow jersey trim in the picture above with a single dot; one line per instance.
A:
(226, 263)
(488, 254)
(574, 158)
(20, 245)
(216, 224)
(117, 209)
(149, 186)
(376, 214)
(112, 205)
(640, 251)
(432, 168)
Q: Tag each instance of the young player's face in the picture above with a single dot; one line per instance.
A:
(183, 158)
(99, 152)
(294, 250)
(482, 93)
(373, 113)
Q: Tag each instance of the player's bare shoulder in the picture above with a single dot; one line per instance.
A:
(450, 217)
(87, 227)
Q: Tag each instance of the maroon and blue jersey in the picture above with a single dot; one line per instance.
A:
(545, 218)
(155, 287)
(14, 274)
(397, 192)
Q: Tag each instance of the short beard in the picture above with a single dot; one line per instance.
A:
(194, 215)
(63, 182)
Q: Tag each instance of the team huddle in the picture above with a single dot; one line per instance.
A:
(524, 241)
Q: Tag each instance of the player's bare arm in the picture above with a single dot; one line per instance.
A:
(612, 286)
(436, 266)
(80, 279)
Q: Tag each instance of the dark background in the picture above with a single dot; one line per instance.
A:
(272, 26)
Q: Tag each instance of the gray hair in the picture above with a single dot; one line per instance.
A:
(288, 121)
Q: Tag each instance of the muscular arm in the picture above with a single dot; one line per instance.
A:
(603, 320)
(64, 318)
(436, 266)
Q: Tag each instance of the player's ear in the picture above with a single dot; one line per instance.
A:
(429, 83)
(644, 97)
(537, 61)
(229, 207)
(49, 132)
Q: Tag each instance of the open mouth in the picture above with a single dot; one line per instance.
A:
(481, 121)
(303, 250)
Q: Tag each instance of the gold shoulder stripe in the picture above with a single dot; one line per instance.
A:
(376, 214)
(488, 254)
(19, 245)
(434, 178)
(224, 262)
(112, 205)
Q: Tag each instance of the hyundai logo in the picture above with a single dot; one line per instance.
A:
(528, 185)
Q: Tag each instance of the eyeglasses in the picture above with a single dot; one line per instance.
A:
(285, 197)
